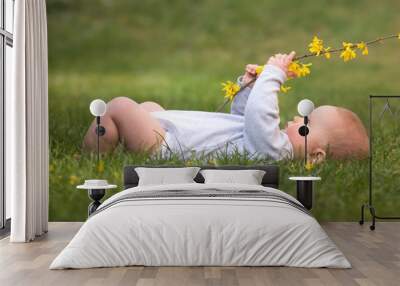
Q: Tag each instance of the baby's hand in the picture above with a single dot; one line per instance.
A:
(282, 61)
(250, 73)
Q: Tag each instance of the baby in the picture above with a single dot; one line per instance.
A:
(251, 127)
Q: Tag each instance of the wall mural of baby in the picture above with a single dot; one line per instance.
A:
(252, 125)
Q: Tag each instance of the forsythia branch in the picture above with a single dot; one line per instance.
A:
(377, 40)
(316, 48)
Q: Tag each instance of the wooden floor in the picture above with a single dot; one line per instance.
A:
(375, 257)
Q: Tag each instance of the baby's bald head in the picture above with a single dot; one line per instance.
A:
(348, 138)
(334, 131)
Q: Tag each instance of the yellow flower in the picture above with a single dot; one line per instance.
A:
(259, 69)
(316, 46)
(363, 47)
(398, 36)
(100, 166)
(285, 89)
(294, 67)
(309, 166)
(348, 52)
(347, 45)
(327, 54)
(304, 70)
(73, 180)
(299, 69)
(230, 89)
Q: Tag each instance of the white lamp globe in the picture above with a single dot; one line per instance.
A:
(98, 107)
(305, 107)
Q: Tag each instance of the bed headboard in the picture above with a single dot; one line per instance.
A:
(270, 179)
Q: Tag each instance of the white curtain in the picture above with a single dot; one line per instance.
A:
(27, 124)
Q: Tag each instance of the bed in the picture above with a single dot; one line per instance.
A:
(198, 224)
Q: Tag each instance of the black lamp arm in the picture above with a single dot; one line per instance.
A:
(100, 130)
(303, 131)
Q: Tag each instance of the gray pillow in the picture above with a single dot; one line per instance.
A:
(166, 176)
(248, 177)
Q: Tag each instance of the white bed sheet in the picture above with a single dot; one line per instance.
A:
(200, 232)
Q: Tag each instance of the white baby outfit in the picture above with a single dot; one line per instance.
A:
(252, 126)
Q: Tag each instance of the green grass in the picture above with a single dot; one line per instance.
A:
(177, 53)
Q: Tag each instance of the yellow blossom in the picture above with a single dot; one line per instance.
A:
(100, 166)
(327, 54)
(285, 89)
(316, 46)
(230, 89)
(347, 45)
(363, 47)
(73, 180)
(398, 36)
(294, 67)
(348, 52)
(299, 69)
(309, 166)
(259, 69)
(304, 69)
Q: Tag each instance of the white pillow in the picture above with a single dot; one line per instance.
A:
(248, 177)
(166, 176)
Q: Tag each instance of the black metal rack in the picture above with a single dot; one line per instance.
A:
(370, 205)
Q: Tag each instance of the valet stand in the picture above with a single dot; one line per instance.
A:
(370, 205)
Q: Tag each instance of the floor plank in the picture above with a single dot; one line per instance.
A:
(375, 257)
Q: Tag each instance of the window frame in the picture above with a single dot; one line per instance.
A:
(6, 39)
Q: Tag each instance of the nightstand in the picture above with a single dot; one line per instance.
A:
(304, 190)
(96, 190)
